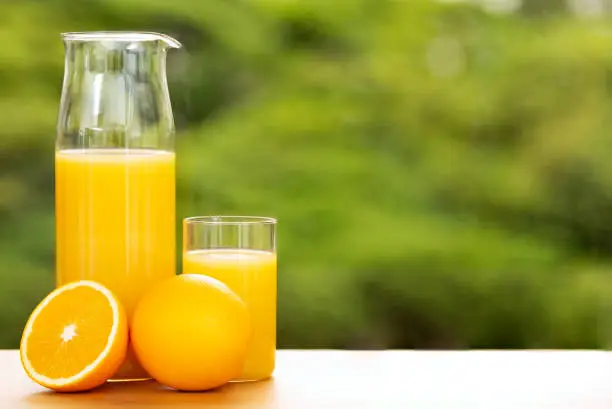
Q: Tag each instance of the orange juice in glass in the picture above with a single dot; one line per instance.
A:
(115, 167)
(241, 252)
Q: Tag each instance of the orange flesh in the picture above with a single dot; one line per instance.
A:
(70, 333)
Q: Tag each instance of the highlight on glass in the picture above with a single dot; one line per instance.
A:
(240, 251)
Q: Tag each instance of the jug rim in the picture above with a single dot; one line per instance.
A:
(127, 36)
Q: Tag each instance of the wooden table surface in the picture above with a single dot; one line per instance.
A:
(357, 380)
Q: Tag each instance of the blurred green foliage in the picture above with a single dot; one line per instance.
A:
(442, 176)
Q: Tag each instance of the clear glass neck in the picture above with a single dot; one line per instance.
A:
(115, 93)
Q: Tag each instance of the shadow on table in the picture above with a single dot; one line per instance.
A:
(134, 394)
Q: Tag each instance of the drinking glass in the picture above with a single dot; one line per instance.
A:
(240, 251)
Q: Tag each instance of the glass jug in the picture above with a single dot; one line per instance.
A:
(115, 167)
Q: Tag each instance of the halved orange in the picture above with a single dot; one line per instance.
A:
(76, 338)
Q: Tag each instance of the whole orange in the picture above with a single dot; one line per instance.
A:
(191, 332)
